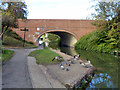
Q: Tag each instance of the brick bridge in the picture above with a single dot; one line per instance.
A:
(69, 30)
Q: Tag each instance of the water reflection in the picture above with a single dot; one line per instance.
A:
(67, 50)
(102, 80)
(107, 69)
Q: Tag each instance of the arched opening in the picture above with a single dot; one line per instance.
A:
(67, 38)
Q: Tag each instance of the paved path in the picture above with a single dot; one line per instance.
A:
(15, 71)
(40, 77)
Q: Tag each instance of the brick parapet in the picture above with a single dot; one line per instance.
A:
(77, 28)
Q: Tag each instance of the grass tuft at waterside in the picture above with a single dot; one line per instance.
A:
(44, 56)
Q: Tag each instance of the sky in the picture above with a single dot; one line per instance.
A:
(59, 9)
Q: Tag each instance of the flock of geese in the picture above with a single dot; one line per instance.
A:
(70, 61)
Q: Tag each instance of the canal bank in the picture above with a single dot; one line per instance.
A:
(52, 76)
(107, 67)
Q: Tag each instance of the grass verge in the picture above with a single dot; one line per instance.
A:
(7, 55)
(44, 56)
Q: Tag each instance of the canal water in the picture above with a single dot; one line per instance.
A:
(107, 68)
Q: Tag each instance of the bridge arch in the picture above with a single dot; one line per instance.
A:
(68, 38)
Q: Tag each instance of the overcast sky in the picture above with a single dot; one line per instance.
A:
(59, 9)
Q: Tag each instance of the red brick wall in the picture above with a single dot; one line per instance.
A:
(77, 28)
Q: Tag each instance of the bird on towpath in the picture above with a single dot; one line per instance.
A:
(73, 59)
(76, 57)
(88, 61)
(57, 58)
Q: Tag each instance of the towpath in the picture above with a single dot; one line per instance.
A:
(15, 73)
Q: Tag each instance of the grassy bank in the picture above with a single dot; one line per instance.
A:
(7, 54)
(98, 41)
(12, 39)
(13, 42)
(44, 56)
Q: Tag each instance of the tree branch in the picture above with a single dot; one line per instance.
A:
(3, 31)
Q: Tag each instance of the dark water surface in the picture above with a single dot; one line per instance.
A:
(107, 74)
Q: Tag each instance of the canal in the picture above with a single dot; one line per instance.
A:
(107, 68)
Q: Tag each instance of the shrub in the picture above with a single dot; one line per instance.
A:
(98, 41)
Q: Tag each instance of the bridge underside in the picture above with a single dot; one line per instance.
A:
(67, 39)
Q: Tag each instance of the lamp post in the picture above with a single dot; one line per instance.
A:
(24, 34)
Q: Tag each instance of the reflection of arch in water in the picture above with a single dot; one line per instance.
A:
(67, 38)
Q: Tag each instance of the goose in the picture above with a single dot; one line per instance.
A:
(65, 63)
(76, 57)
(68, 64)
(82, 64)
(87, 65)
(88, 61)
(62, 67)
(66, 69)
(61, 64)
(71, 60)
(57, 57)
